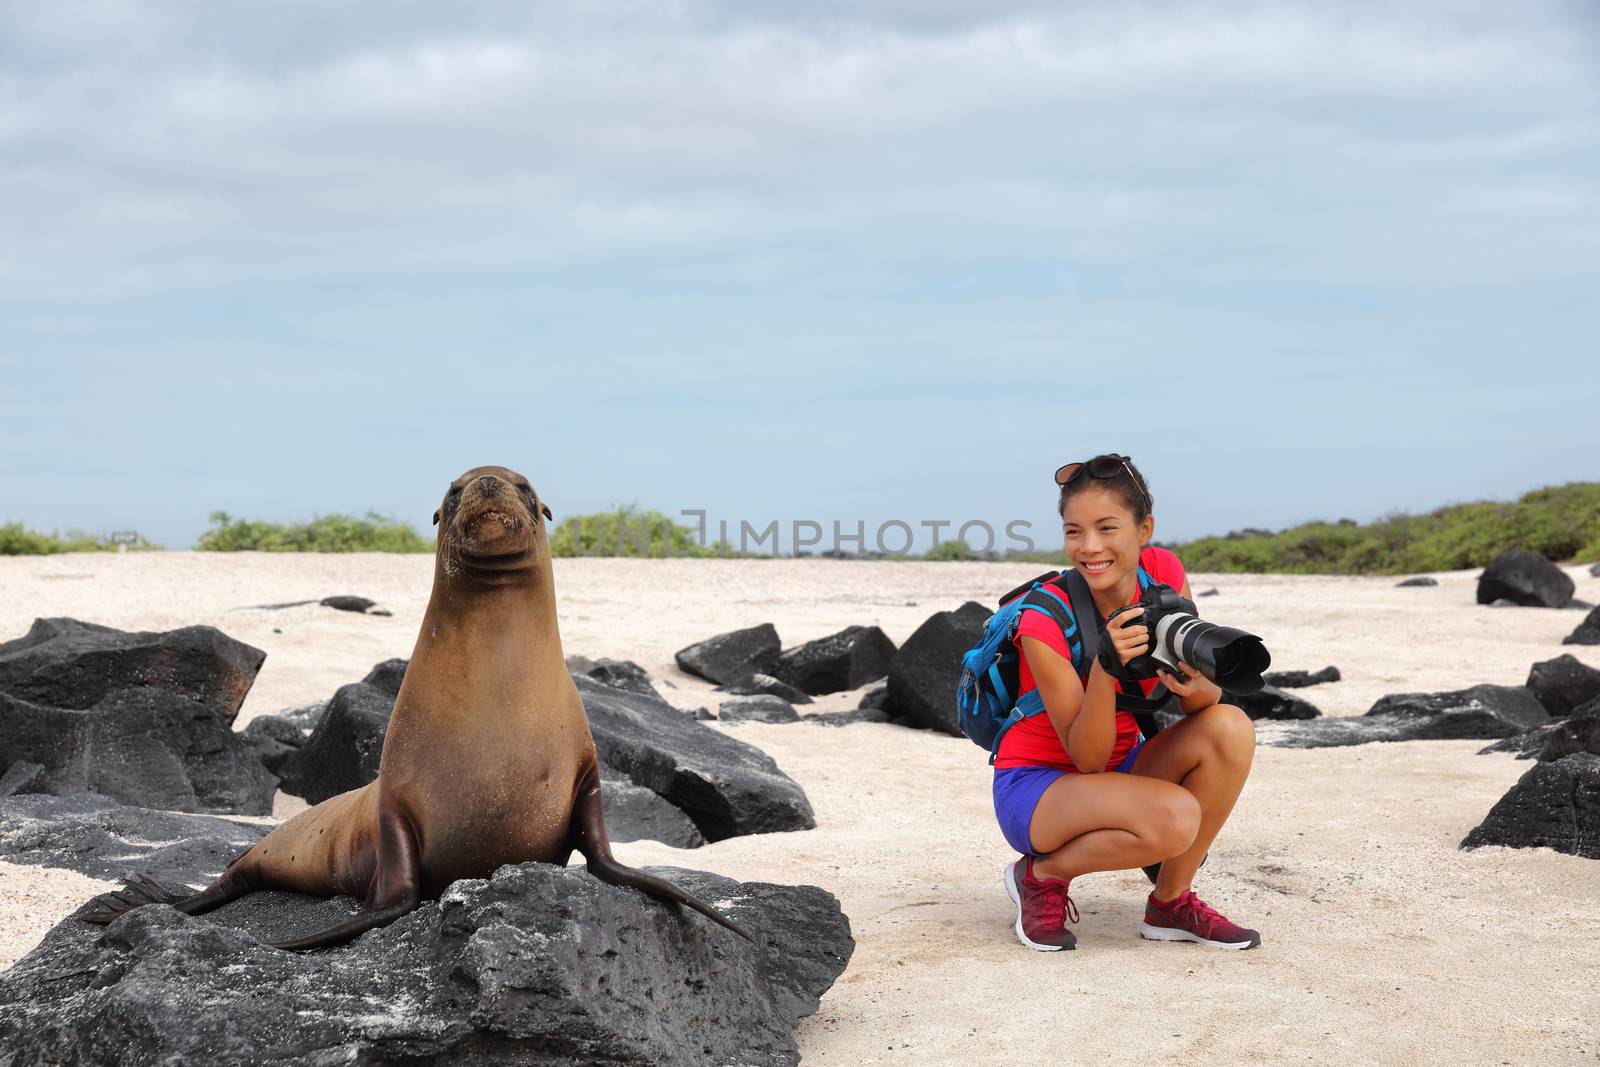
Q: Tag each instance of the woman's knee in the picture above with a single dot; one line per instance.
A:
(1230, 730)
(1174, 820)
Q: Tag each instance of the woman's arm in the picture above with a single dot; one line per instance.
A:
(1086, 722)
(1199, 691)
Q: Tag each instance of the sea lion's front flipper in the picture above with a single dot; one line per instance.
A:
(396, 886)
(142, 889)
(589, 838)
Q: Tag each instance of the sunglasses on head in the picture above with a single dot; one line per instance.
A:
(1100, 468)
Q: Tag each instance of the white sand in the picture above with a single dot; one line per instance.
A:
(1383, 943)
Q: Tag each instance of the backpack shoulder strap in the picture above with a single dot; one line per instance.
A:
(1083, 606)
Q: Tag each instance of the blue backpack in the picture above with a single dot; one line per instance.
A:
(986, 701)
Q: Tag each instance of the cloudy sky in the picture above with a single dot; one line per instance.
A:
(852, 261)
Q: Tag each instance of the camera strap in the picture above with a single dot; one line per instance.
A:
(1084, 609)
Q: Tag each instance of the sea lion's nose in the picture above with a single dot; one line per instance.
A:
(486, 482)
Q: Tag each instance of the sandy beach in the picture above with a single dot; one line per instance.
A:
(1382, 942)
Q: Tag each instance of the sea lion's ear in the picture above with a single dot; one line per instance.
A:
(546, 509)
(436, 518)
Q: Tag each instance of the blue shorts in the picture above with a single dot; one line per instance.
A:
(1017, 791)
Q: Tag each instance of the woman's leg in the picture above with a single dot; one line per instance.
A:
(1208, 753)
(1109, 822)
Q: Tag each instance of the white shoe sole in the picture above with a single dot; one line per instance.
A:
(1166, 933)
(1008, 875)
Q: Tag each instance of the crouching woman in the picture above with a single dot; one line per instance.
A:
(1078, 789)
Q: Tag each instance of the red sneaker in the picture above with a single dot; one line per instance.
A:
(1042, 907)
(1188, 918)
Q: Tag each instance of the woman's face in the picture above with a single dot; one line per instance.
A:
(1101, 537)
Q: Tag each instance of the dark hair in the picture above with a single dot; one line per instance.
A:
(1127, 484)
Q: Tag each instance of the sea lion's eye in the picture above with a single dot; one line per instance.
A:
(455, 490)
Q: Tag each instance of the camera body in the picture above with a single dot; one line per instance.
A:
(1234, 659)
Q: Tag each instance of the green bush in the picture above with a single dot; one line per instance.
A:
(324, 533)
(17, 540)
(1559, 522)
(627, 531)
(950, 550)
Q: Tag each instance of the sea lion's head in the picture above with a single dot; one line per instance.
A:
(491, 526)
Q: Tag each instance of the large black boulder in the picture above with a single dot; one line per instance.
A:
(537, 964)
(727, 787)
(1525, 578)
(846, 660)
(1588, 631)
(344, 750)
(95, 835)
(1563, 683)
(143, 717)
(1301, 679)
(923, 675)
(617, 673)
(731, 656)
(634, 813)
(1525, 745)
(1270, 702)
(1554, 805)
(1483, 711)
(1578, 732)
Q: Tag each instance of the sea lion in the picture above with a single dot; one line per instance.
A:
(488, 758)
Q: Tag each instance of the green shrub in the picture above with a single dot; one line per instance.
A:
(627, 531)
(324, 533)
(17, 540)
(1559, 522)
(950, 550)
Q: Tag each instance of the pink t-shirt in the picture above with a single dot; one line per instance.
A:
(1033, 741)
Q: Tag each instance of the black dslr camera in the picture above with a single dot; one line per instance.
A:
(1234, 659)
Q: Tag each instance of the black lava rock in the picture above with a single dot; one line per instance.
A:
(22, 777)
(274, 739)
(732, 656)
(143, 717)
(924, 673)
(1579, 732)
(1554, 805)
(1207, 592)
(344, 750)
(759, 684)
(1272, 703)
(1594, 570)
(727, 787)
(848, 659)
(345, 602)
(1588, 631)
(1526, 578)
(1420, 582)
(536, 964)
(94, 835)
(876, 698)
(1483, 711)
(387, 676)
(634, 813)
(761, 708)
(846, 718)
(617, 673)
(1301, 679)
(1563, 683)
(1526, 745)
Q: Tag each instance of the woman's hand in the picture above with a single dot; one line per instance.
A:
(1196, 691)
(1130, 640)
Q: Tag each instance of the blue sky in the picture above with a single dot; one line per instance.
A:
(872, 261)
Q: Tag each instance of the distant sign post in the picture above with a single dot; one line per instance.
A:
(123, 538)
